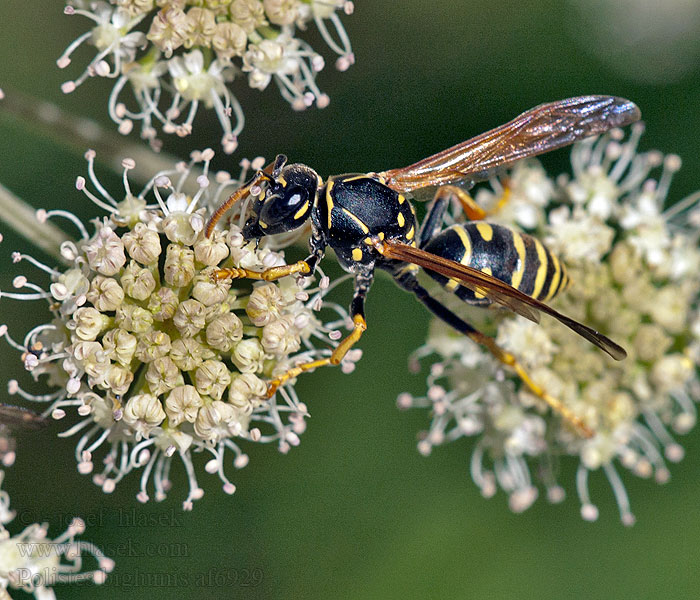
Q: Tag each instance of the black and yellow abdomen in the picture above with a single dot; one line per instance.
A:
(515, 258)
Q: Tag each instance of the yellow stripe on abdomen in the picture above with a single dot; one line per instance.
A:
(519, 245)
(453, 284)
(485, 231)
(479, 295)
(541, 269)
(556, 278)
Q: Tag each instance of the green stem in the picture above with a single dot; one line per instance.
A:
(21, 217)
(79, 134)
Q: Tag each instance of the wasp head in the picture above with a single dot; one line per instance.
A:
(285, 202)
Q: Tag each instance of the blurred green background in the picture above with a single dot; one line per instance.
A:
(355, 512)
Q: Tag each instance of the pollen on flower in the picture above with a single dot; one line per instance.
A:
(633, 262)
(192, 51)
(157, 358)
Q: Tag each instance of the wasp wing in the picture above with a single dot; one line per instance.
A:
(541, 129)
(495, 290)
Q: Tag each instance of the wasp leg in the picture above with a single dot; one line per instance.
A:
(471, 209)
(272, 274)
(357, 312)
(433, 221)
(303, 267)
(503, 200)
(408, 282)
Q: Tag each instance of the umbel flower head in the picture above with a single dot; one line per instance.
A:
(157, 359)
(634, 268)
(174, 56)
(32, 562)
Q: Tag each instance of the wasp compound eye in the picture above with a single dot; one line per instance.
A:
(296, 196)
(284, 209)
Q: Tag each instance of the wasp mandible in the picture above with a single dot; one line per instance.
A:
(369, 222)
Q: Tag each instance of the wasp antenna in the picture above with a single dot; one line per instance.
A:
(232, 199)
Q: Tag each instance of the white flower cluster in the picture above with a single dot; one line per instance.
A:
(157, 358)
(175, 55)
(634, 265)
(32, 562)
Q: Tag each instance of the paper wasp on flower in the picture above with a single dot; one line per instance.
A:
(369, 223)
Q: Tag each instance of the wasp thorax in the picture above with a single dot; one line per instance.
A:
(285, 202)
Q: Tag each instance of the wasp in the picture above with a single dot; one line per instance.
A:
(368, 220)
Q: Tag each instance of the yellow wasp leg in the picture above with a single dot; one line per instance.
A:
(471, 209)
(271, 274)
(502, 201)
(555, 404)
(360, 326)
(408, 281)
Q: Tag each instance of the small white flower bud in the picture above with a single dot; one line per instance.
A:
(182, 228)
(224, 331)
(167, 30)
(137, 282)
(210, 292)
(89, 323)
(118, 379)
(105, 252)
(142, 244)
(281, 12)
(152, 345)
(247, 392)
(188, 353)
(105, 293)
(179, 265)
(218, 420)
(215, 311)
(201, 25)
(247, 14)
(182, 404)
(189, 318)
(211, 250)
(268, 258)
(212, 378)
(163, 304)
(92, 358)
(229, 40)
(248, 355)
(264, 304)
(119, 345)
(134, 318)
(143, 412)
(130, 211)
(163, 375)
(280, 337)
(71, 283)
